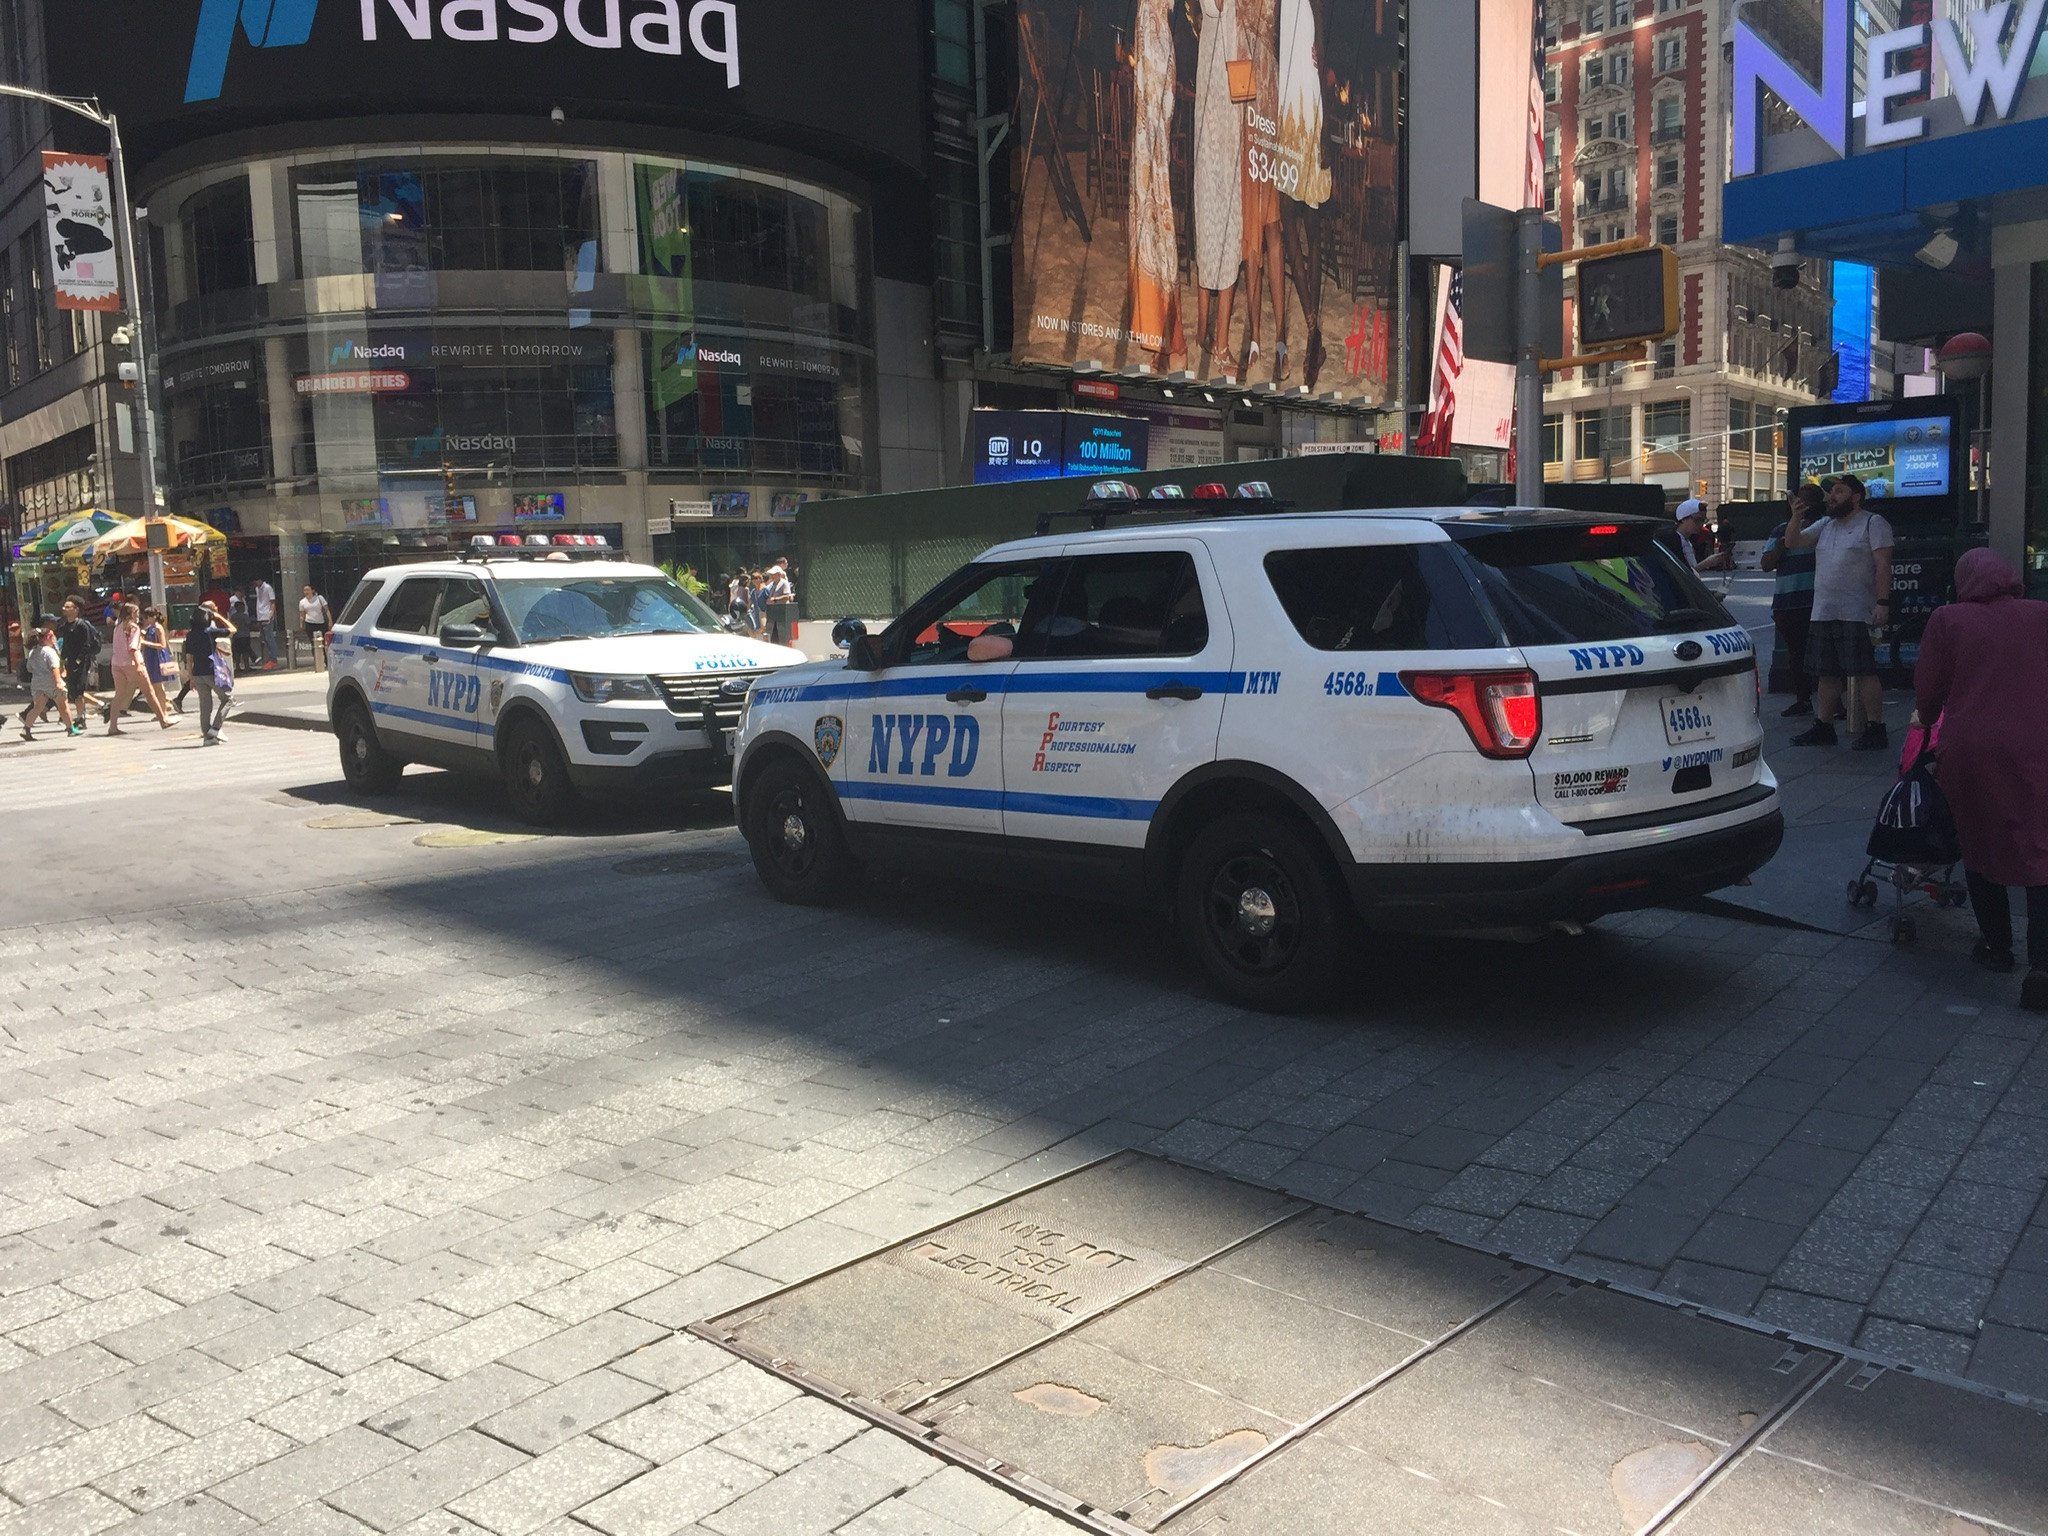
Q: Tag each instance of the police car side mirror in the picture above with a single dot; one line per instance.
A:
(859, 645)
(465, 635)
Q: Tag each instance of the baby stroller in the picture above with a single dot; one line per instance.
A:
(1913, 847)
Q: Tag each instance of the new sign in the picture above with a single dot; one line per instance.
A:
(1985, 73)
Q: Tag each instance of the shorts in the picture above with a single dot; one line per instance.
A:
(1839, 648)
(77, 678)
(316, 631)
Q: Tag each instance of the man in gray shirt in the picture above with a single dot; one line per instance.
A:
(1852, 592)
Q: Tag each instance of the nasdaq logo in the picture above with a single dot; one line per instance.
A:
(657, 26)
(266, 23)
(915, 744)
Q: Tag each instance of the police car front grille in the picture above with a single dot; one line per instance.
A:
(687, 695)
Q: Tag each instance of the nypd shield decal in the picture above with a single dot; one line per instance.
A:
(830, 731)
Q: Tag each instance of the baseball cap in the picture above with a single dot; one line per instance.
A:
(1854, 481)
(1692, 506)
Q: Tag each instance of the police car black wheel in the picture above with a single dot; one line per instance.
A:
(536, 777)
(368, 768)
(1257, 909)
(799, 851)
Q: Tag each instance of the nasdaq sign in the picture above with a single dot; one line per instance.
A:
(1985, 74)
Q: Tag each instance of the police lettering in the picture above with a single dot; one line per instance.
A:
(1601, 658)
(920, 742)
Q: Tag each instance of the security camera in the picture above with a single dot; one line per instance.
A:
(1786, 264)
(1940, 251)
(557, 115)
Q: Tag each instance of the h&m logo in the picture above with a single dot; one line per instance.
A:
(657, 27)
(904, 732)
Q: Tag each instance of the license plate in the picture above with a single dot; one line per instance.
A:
(1687, 718)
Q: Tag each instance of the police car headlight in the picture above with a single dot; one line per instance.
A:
(592, 689)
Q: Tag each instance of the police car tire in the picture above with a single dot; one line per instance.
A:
(1258, 911)
(365, 764)
(814, 869)
(537, 776)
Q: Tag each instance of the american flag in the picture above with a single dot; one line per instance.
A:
(1434, 440)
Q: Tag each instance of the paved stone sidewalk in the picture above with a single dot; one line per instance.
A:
(370, 1200)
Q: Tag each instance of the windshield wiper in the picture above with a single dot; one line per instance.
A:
(551, 639)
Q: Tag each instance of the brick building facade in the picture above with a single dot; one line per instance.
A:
(1636, 141)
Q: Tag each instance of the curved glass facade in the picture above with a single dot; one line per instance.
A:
(402, 346)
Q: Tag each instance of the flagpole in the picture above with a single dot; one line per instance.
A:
(127, 256)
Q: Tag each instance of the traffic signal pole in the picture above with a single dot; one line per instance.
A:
(1529, 358)
(128, 257)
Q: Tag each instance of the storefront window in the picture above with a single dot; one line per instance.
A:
(52, 478)
(484, 216)
(219, 239)
(452, 327)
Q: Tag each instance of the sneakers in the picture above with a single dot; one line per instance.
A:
(210, 739)
(74, 730)
(1797, 708)
(1992, 959)
(1819, 734)
(2034, 992)
(1875, 738)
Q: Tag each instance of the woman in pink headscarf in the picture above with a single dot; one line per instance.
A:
(1983, 672)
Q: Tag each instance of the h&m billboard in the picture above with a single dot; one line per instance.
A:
(817, 73)
(1209, 185)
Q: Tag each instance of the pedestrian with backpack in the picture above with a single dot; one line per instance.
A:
(212, 674)
(1983, 674)
(79, 644)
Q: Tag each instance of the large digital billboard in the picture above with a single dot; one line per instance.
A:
(1210, 186)
(816, 74)
(1042, 445)
(1896, 458)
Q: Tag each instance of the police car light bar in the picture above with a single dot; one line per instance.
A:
(1252, 498)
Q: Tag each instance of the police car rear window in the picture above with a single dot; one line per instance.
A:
(1559, 586)
(1379, 597)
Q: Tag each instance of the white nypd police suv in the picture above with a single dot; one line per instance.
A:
(561, 674)
(1274, 724)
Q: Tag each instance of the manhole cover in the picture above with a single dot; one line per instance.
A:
(471, 837)
(350, 821)
(1147, 1347)
(701, 861)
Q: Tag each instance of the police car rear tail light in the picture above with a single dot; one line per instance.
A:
(1212, 490)
(1501, 710)
(1601, 530)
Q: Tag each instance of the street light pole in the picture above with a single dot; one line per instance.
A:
(128, 256)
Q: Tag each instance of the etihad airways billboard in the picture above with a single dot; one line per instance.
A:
(1926, 80)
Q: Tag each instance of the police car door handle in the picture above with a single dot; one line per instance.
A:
(431, 656)
(1174, 690)
(966, 696)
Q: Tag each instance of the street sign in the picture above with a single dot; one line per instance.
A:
(1491, 334)
(1630, 297)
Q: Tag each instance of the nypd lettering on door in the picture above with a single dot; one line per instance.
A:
(920, 744)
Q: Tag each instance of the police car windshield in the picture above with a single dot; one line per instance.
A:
(595, 607)
(1563, 586)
